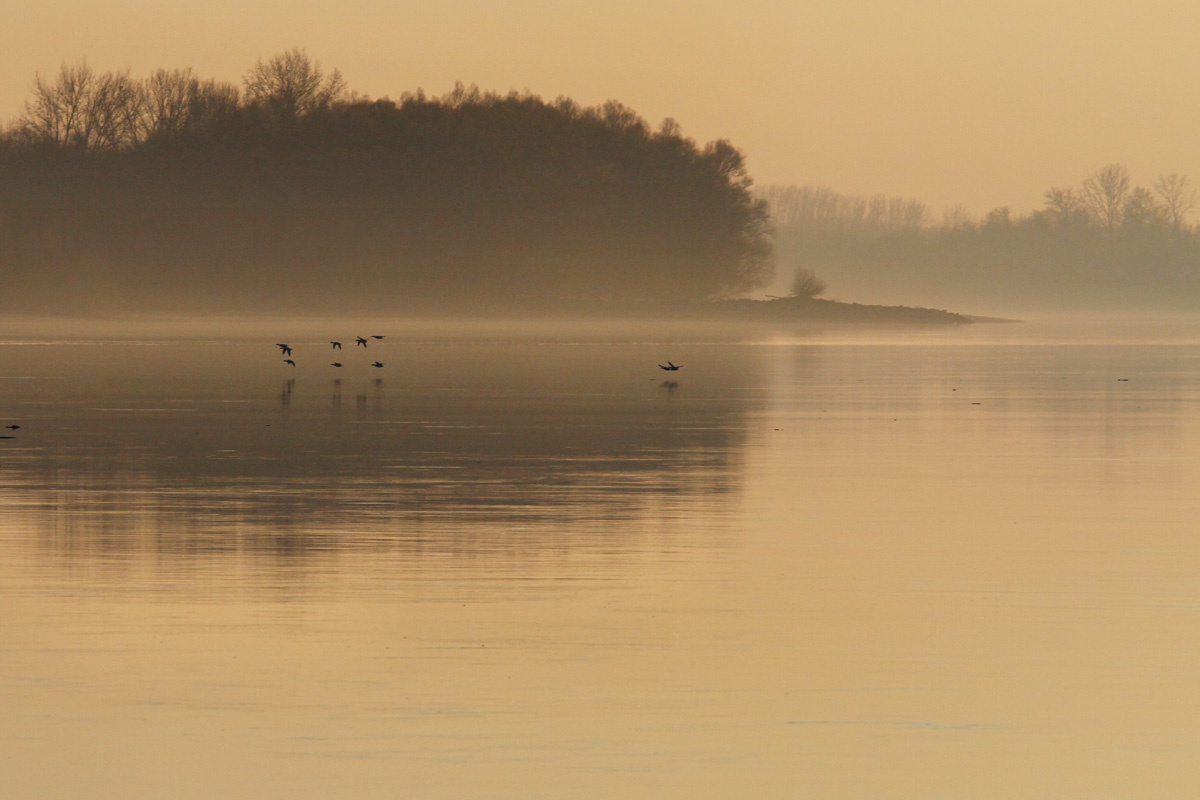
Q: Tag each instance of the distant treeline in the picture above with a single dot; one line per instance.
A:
(1104, 243)
(290, 194)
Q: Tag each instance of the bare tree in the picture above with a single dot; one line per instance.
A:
(214, 100)
(84, 110)
(823, 208)
(906, 215)
(806, 284)
(176, 101)
(292, 85)
(1105, 194)
(1178, 198)
(57, 111)
(117, 108)
(1142, 210)
(1065, 206)
(998, 218)
(957, 218)
(169, 101)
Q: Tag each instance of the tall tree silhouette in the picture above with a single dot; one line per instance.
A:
(291, 85)
(292, 195)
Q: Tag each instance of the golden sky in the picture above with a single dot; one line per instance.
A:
(983, 102)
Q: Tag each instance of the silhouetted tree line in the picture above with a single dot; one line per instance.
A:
(1103, 243)
(289, 193)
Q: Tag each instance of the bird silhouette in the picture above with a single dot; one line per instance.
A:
(670, 367)
(287, 349)
(337, 363)
(13, 427)
(376, 363)
(376, 337)
(360, 340)
(289, 361)
(336, 345)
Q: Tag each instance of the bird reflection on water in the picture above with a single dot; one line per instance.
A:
(436, 464)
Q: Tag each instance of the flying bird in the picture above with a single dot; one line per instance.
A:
(13, 427)
(336, 345)
(287, 349)
(289, 361)
(376, 337)
(670, 367)
(337, 363)
(376, 363)
(360, 340)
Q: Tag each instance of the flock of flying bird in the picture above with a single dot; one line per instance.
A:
(359, 341)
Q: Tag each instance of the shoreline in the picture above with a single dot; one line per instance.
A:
(723, 319)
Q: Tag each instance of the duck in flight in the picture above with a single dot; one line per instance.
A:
(336, 345)
(13, 427)
(670, 367)
(285, 349)
(337, 363)
(289, 361)
(360, 340)
(376, 337)
(377, 364)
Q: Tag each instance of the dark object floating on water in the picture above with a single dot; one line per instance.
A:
(358, 340)
(1119, 380)
(976, 404)
(670, 367)
(7, 437)
(376, 337)
(337, 363)
(336, 345)
(377, 364)
(13, 427)
(289, 361)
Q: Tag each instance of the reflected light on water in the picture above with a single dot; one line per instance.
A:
(954, 564)
(485, 463)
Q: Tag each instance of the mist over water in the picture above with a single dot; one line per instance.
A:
(203, 449)
(1103, 245)
(545, 568)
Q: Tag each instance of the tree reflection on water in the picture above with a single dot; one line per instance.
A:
(499, 453)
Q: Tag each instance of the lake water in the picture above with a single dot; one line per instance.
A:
(929, 564)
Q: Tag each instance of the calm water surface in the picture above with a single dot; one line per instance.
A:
(927, 565)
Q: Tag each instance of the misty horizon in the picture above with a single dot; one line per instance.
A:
(985, 106)
(427, 195)
(1104, 244)
(294, 195)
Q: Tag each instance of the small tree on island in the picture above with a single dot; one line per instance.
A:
(807, 285)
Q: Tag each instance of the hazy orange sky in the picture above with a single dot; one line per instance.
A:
(984, 103)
